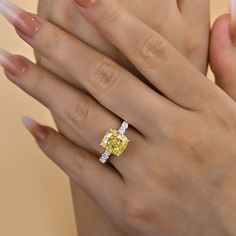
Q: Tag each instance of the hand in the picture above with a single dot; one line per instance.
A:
(190, 42)
(188, 145)
(223, 51)
(163, 16)
(189, 18)
(222, 59)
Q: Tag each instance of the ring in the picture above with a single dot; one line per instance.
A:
(114, 142)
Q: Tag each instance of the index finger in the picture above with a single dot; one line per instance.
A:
(153, 56)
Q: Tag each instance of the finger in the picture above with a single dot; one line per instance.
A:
(43, 6)
(62, 10)
(71, 134)
(50, 66)
(65, 15)
(223, 56)
(109, 83)
(196, 12)
(99, 181)
(82, 113)
(196, 15)
(67, 131)
(150, 53)
(160, 7)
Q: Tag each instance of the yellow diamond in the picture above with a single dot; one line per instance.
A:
(115, 142)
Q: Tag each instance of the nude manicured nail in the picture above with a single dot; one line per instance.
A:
(233, 10)
(14, 64)
(233, 19)
(39, 132)
(27, 23)
(86, 3)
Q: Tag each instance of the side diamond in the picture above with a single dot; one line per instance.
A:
(123, 127)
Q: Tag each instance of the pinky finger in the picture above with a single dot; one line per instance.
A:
(101, 182)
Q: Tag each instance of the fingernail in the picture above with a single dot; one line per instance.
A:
(15, 65)
(233, 19)
(86, 3)
(27, 23)
(233, 10)
(39, 132)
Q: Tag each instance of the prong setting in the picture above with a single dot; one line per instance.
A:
(114, 142)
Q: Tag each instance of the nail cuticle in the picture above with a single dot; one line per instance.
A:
(40, 133)
(86, 3)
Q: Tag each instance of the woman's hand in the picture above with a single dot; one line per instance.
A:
(186, 26)
(183, 149)
(166, 17)
(158, 15)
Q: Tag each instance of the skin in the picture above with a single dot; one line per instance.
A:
(178, 175)
(223, 53)
(222, 60)
(162, 16)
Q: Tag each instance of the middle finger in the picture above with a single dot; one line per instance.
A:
(150, 53)
(110, 84)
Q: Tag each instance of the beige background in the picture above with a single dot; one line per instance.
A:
(34, 194)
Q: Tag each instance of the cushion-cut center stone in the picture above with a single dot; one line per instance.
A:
(115, 142)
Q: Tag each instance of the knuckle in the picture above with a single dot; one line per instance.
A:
(35, 85)
(192, 47)
(78, 111)
(193, 43)
(188, 141)
(105, 76)
(133, 210)
(61, 15)
(167, 179)
(137, 213)
(151, 52)
(158, 23)
(51, 44)
(111, 16)
(76, 167)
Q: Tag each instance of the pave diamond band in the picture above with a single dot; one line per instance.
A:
(123, 127)
(114, 142)
(104, 157)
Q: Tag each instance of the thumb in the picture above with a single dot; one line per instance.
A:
(223, 51)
